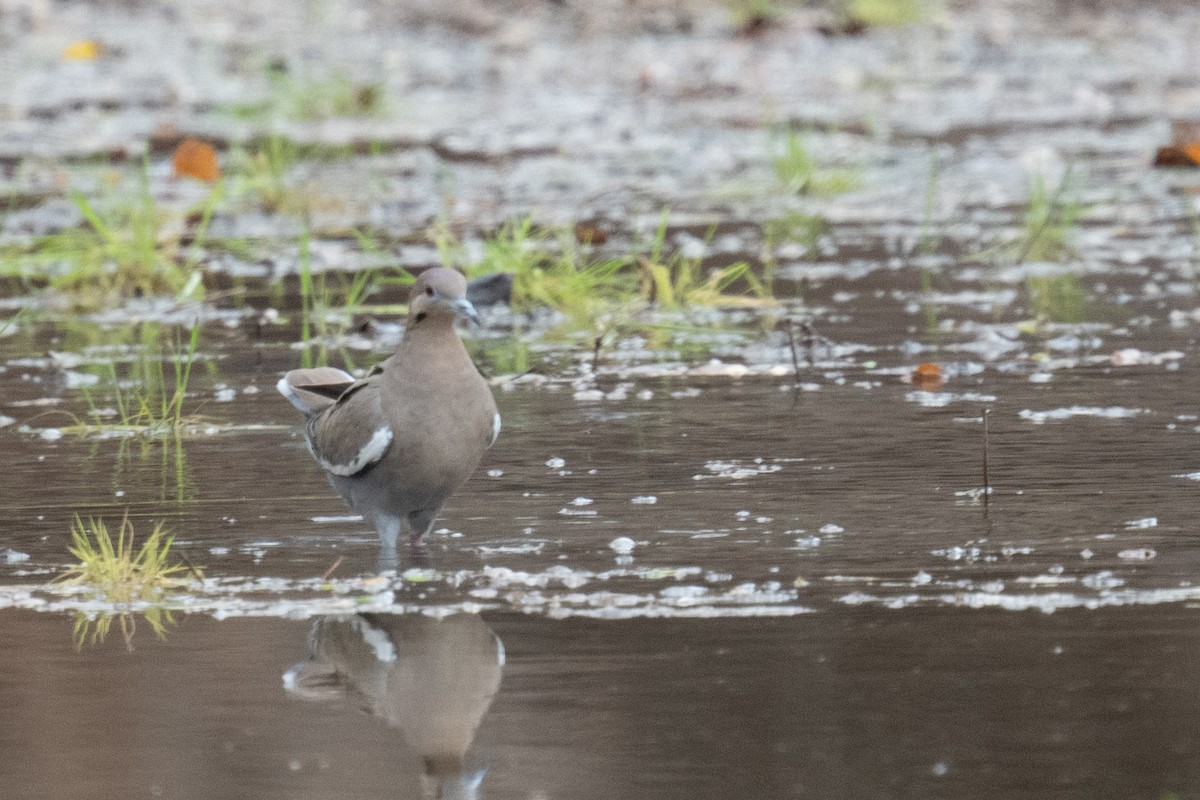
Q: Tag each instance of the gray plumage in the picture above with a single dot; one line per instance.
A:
(398, 442)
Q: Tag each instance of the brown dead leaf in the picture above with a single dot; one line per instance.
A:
(586, 233)
(927, 376)
(196, 159)
(1179, 154)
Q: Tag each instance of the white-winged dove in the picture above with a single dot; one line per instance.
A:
(432, 678)
(398, 442)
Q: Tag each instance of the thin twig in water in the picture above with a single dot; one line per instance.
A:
(791, 325)
(191, 567)
(332, 567)
(987, 486)
(811, 340)
(596, 345)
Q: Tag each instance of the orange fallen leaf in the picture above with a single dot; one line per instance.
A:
(86, 50)
(195, 159)
(927, 376)
(1178, 155)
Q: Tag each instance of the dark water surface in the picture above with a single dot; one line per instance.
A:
(935, 702)
(816, 605)
(863, 489)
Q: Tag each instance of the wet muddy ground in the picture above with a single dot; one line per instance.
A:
(700, 562)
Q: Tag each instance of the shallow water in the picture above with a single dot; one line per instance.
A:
(934, 702)
(856, 488)
(711, 574)
(816, 604)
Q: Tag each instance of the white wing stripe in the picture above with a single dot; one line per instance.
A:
(371, 452)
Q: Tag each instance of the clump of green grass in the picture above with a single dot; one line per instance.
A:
(794, 226)
(152, 402)
(126, 247)
(886, 13)
(333, 96)
(269, 173)
(799, 171)
(266, 173)
(119, 571)
(548, 266)
(677, 281)
(508, 356)
(1060, 298)
(551, 269)
(328, 302)
(1050, 218)
(311, 98)
(752, 16)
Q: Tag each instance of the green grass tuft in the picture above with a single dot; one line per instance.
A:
(1059, 298)
(752, 16)
(1050, 220)
(313, 98)
(887, 13)
(328, 301)
(678, 281)
(126, 247)
(115, 570)
(549, 268)
(151, 402)
(798, 170)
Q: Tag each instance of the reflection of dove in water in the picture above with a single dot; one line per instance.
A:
(433, 679)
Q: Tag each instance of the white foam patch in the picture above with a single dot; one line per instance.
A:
(737, 470)
(1113, 412)
(942, 399)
